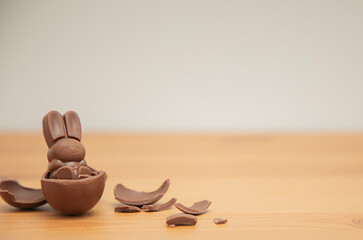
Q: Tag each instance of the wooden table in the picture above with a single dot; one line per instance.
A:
(267, 186)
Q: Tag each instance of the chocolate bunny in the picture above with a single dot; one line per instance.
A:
(66, 153)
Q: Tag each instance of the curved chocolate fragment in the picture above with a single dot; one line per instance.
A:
(135, 198)
(220, 221)
(161, 207)
(196, 209)
(181, 219)
(128, 209)
(21, 197)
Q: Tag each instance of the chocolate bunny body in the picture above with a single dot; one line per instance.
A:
(66, 153)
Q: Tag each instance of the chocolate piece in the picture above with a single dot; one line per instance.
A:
(63, 136)
(21, 197)
(161, 207)
(181, 219)
(196, 209)
(132, 197)
(73, 197)
(219, 221)
(128, 209)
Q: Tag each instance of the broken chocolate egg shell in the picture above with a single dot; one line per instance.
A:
(161, 207)
(135, 198)
(73, 197)
(21, 197)
(196, 209)
(181, 219)
(127, 209)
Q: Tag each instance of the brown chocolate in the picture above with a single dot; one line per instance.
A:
(73, 197)
(64, 173)
(161, 207)
(81, 176)
(63, 136)
(67, 150)
(181, 219)
(72, 125)
(127, 209)
(53, 127)
(135, 198)
(219, 221)
(84, 170)
(70, 186)
(196, 209)
(21, 197)
(54, 165)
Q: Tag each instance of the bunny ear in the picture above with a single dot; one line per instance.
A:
(73, 125)
(53, 127)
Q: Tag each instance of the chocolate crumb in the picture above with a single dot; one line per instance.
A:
(219, 221)
(181, 219)
(127, 209)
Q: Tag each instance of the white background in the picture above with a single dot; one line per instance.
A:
(239, 66)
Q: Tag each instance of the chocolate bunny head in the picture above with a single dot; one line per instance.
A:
(63, 136)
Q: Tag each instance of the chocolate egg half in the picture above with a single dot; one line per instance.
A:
(73, 197)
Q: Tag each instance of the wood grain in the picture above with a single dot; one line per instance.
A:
(267, 186)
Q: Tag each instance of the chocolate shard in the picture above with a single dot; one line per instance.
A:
(161, 207)
(127, 209)
(21, 197)
(219, 221)
(135, 198)
(181, 219)
(196, 209)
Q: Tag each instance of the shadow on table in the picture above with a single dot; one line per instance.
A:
(46, 209)
(9, 209)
